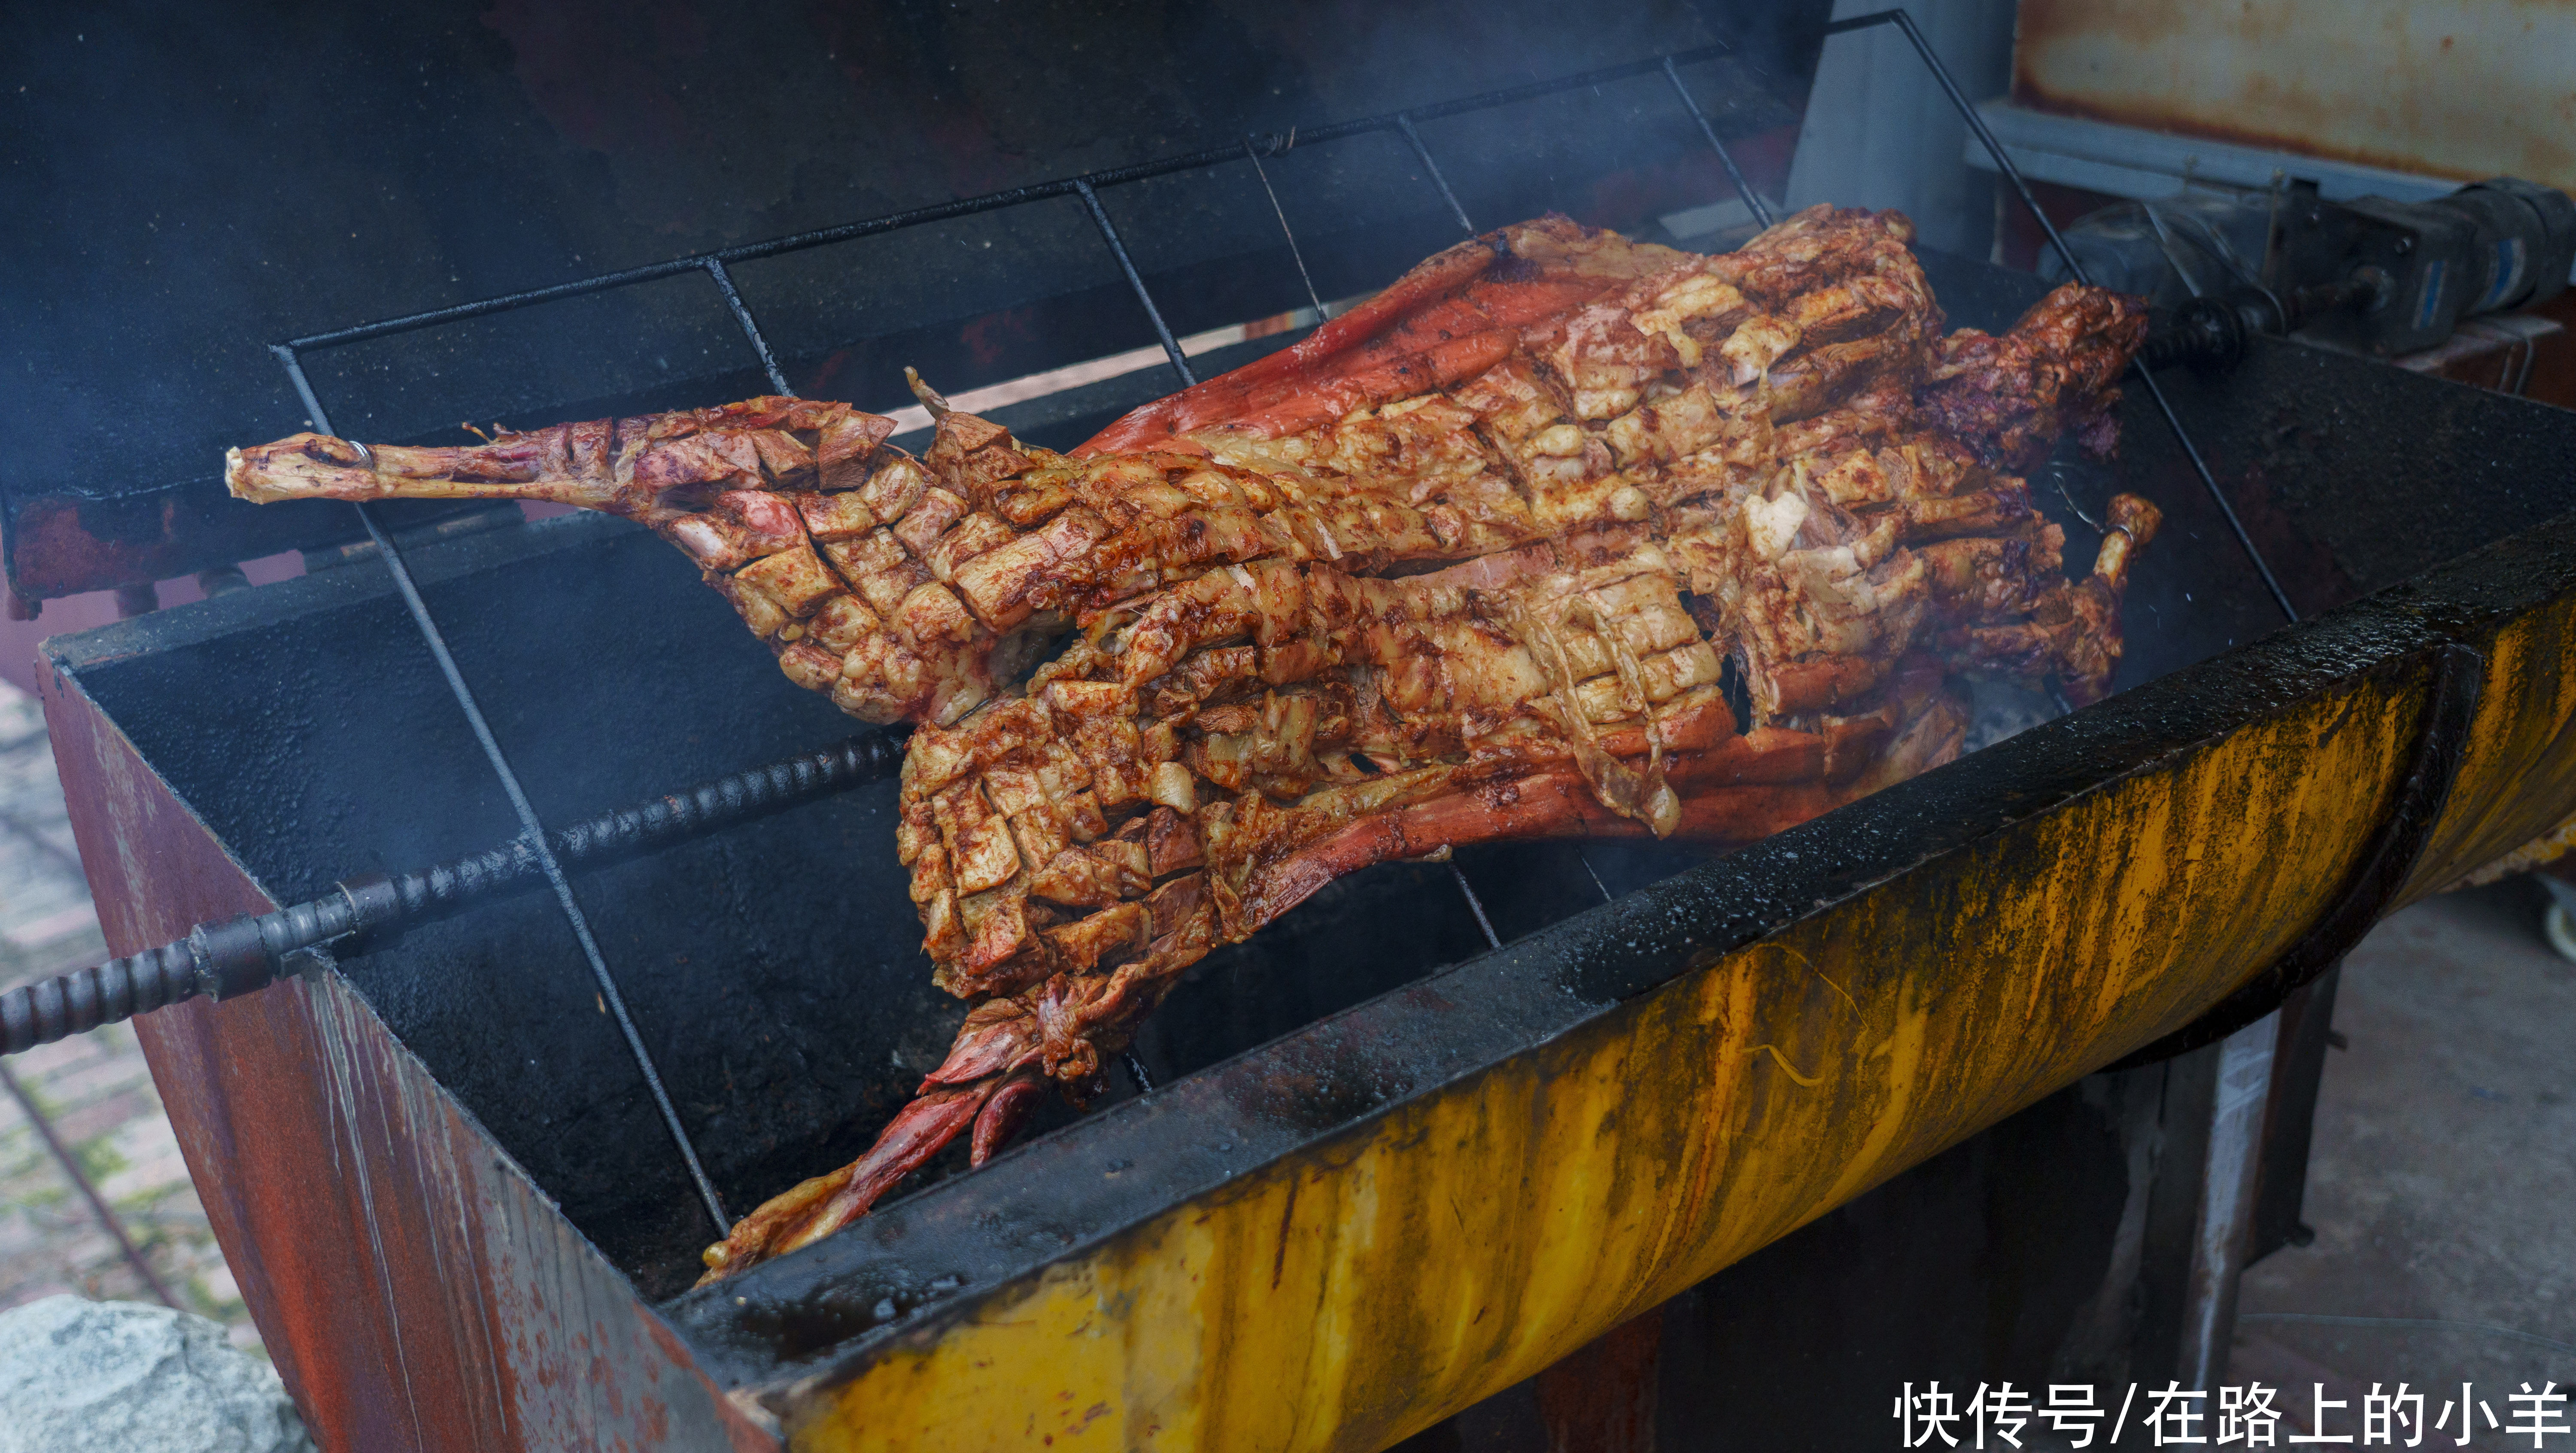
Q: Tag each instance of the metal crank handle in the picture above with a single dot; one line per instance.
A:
(240, 955)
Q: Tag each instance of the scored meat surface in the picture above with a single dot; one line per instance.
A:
(1484, 558)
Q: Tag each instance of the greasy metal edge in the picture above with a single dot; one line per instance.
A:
(2333, 704)
(278, 604)
(414, 1287)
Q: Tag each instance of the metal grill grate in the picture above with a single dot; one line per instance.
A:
(1086, 188)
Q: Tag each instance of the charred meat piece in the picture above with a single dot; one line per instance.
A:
(1469, 563)
(1210, 754)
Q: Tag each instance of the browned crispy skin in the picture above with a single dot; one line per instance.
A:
(1465, 565)
(1817, 501)
(914, 590)
(2009, 398)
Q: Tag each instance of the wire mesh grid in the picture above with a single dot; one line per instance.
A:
(1086, 189)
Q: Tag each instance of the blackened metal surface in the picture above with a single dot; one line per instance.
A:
(209, 183)
(415, 1288)
(2353, 475)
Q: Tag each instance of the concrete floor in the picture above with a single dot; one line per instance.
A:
(2442, 1184)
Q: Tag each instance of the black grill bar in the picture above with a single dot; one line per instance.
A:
(2021, 186)
(716, 265)
(990, 201)
(750, 329)
(519, 804)
(1135, 280)
(246, 954)
(1475, 905)
(1752, 199)
(1413, 138)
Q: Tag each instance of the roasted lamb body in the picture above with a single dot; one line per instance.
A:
(1474, 561)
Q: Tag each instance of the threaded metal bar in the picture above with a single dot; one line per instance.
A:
(220, 960)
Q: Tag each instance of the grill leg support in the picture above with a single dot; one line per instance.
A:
(2225, 1233)
(1602, 1399)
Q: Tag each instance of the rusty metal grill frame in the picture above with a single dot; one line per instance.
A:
(1085, 188)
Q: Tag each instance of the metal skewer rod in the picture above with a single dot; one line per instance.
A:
(220, 960)
(2011, 171)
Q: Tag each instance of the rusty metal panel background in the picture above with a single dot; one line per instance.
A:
(2458, 88)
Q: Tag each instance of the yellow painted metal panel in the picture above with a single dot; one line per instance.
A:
(1361, 1290)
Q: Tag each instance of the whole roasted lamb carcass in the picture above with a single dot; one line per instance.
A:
(1474, 561)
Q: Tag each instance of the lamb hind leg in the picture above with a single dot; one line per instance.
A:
(988, 1082)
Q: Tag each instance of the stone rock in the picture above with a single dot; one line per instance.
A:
(77, 1376)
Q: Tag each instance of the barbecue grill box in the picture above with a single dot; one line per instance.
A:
(441, 1182)
(1839, 1104)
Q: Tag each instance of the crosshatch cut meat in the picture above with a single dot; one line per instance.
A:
(1478, 560)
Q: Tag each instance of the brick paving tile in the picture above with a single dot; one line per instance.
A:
(95, 1088)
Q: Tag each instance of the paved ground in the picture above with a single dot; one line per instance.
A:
(94, 1088)
(2443, 1183)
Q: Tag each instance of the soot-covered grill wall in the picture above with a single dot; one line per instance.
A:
(192, 184)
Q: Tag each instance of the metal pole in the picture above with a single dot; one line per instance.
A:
(614, 1001)
(1135, 280)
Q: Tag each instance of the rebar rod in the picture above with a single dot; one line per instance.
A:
(220, 960)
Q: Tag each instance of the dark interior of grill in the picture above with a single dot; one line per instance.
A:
(773, 969)
(344, 207)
